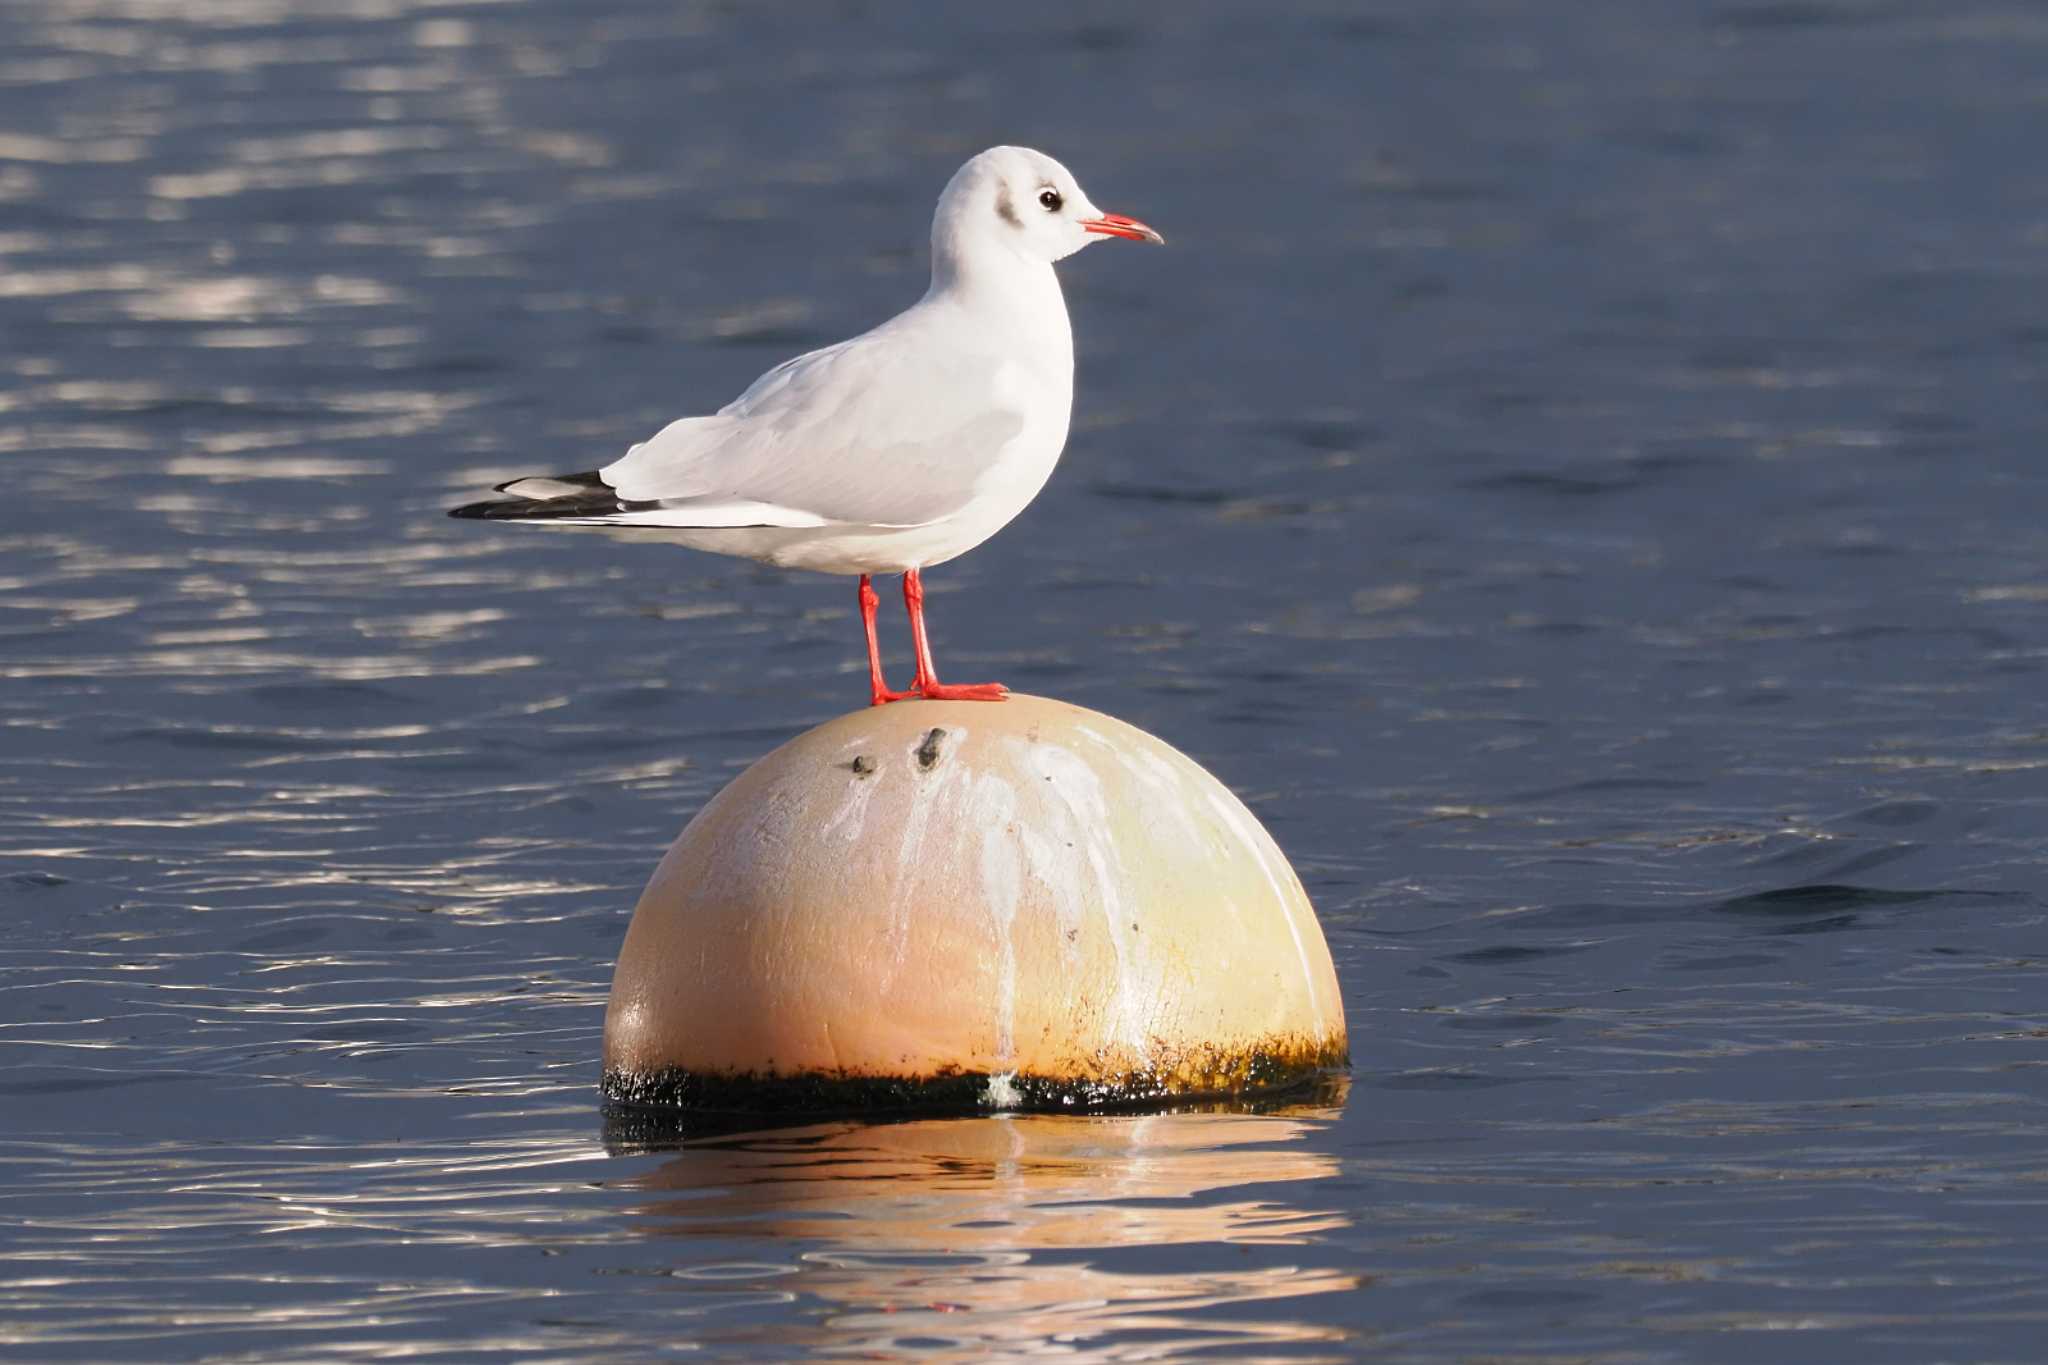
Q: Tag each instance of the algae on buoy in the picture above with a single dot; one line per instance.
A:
(970, 905)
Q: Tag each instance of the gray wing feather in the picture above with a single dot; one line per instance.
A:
(871, 431)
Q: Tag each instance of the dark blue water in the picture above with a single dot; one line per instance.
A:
(1576, 471)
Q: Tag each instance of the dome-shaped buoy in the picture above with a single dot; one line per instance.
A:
(962, 905)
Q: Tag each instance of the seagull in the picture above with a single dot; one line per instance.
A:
(897, 450)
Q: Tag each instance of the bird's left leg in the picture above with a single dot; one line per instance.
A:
(878, 691)
(926, 684)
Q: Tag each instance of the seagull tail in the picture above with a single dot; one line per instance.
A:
(587, 500)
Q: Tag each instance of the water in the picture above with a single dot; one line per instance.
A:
(1575, 472)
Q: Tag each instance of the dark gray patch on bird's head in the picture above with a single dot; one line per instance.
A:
(1006, 208)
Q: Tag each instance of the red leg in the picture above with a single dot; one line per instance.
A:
(926, 684)
(878, 691)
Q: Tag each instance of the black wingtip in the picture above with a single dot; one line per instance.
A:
(576, 505)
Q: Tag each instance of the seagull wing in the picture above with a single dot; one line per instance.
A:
(873, 431)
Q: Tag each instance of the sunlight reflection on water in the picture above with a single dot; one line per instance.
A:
(1089, 1236)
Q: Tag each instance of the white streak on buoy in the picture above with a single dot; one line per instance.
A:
(850, 817)
(931, 792)
(1174, 790)
(1075, 792)
(1046, 839)
(1177, 783)
(933, 779)
(993, 806)
(1260, 845)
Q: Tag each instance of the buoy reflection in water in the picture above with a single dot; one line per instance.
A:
(1002, 1233)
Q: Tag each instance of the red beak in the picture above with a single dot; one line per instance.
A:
(1116, 225)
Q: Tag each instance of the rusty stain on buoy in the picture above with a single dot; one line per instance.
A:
(1035, 906)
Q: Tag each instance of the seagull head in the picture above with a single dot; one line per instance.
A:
(1012, 199)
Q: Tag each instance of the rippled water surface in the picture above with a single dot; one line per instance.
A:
(1576, 472)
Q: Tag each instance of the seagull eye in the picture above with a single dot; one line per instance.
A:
(1051, 199)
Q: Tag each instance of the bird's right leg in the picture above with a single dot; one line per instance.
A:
(878, 691)
(926, 684)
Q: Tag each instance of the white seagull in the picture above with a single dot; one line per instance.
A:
(892, 452)
(889, 453)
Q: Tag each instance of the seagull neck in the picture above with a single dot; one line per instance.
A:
(996, 284)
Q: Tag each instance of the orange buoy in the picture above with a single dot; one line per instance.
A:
(970, 905)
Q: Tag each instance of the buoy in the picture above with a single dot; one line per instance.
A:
(970, 905)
